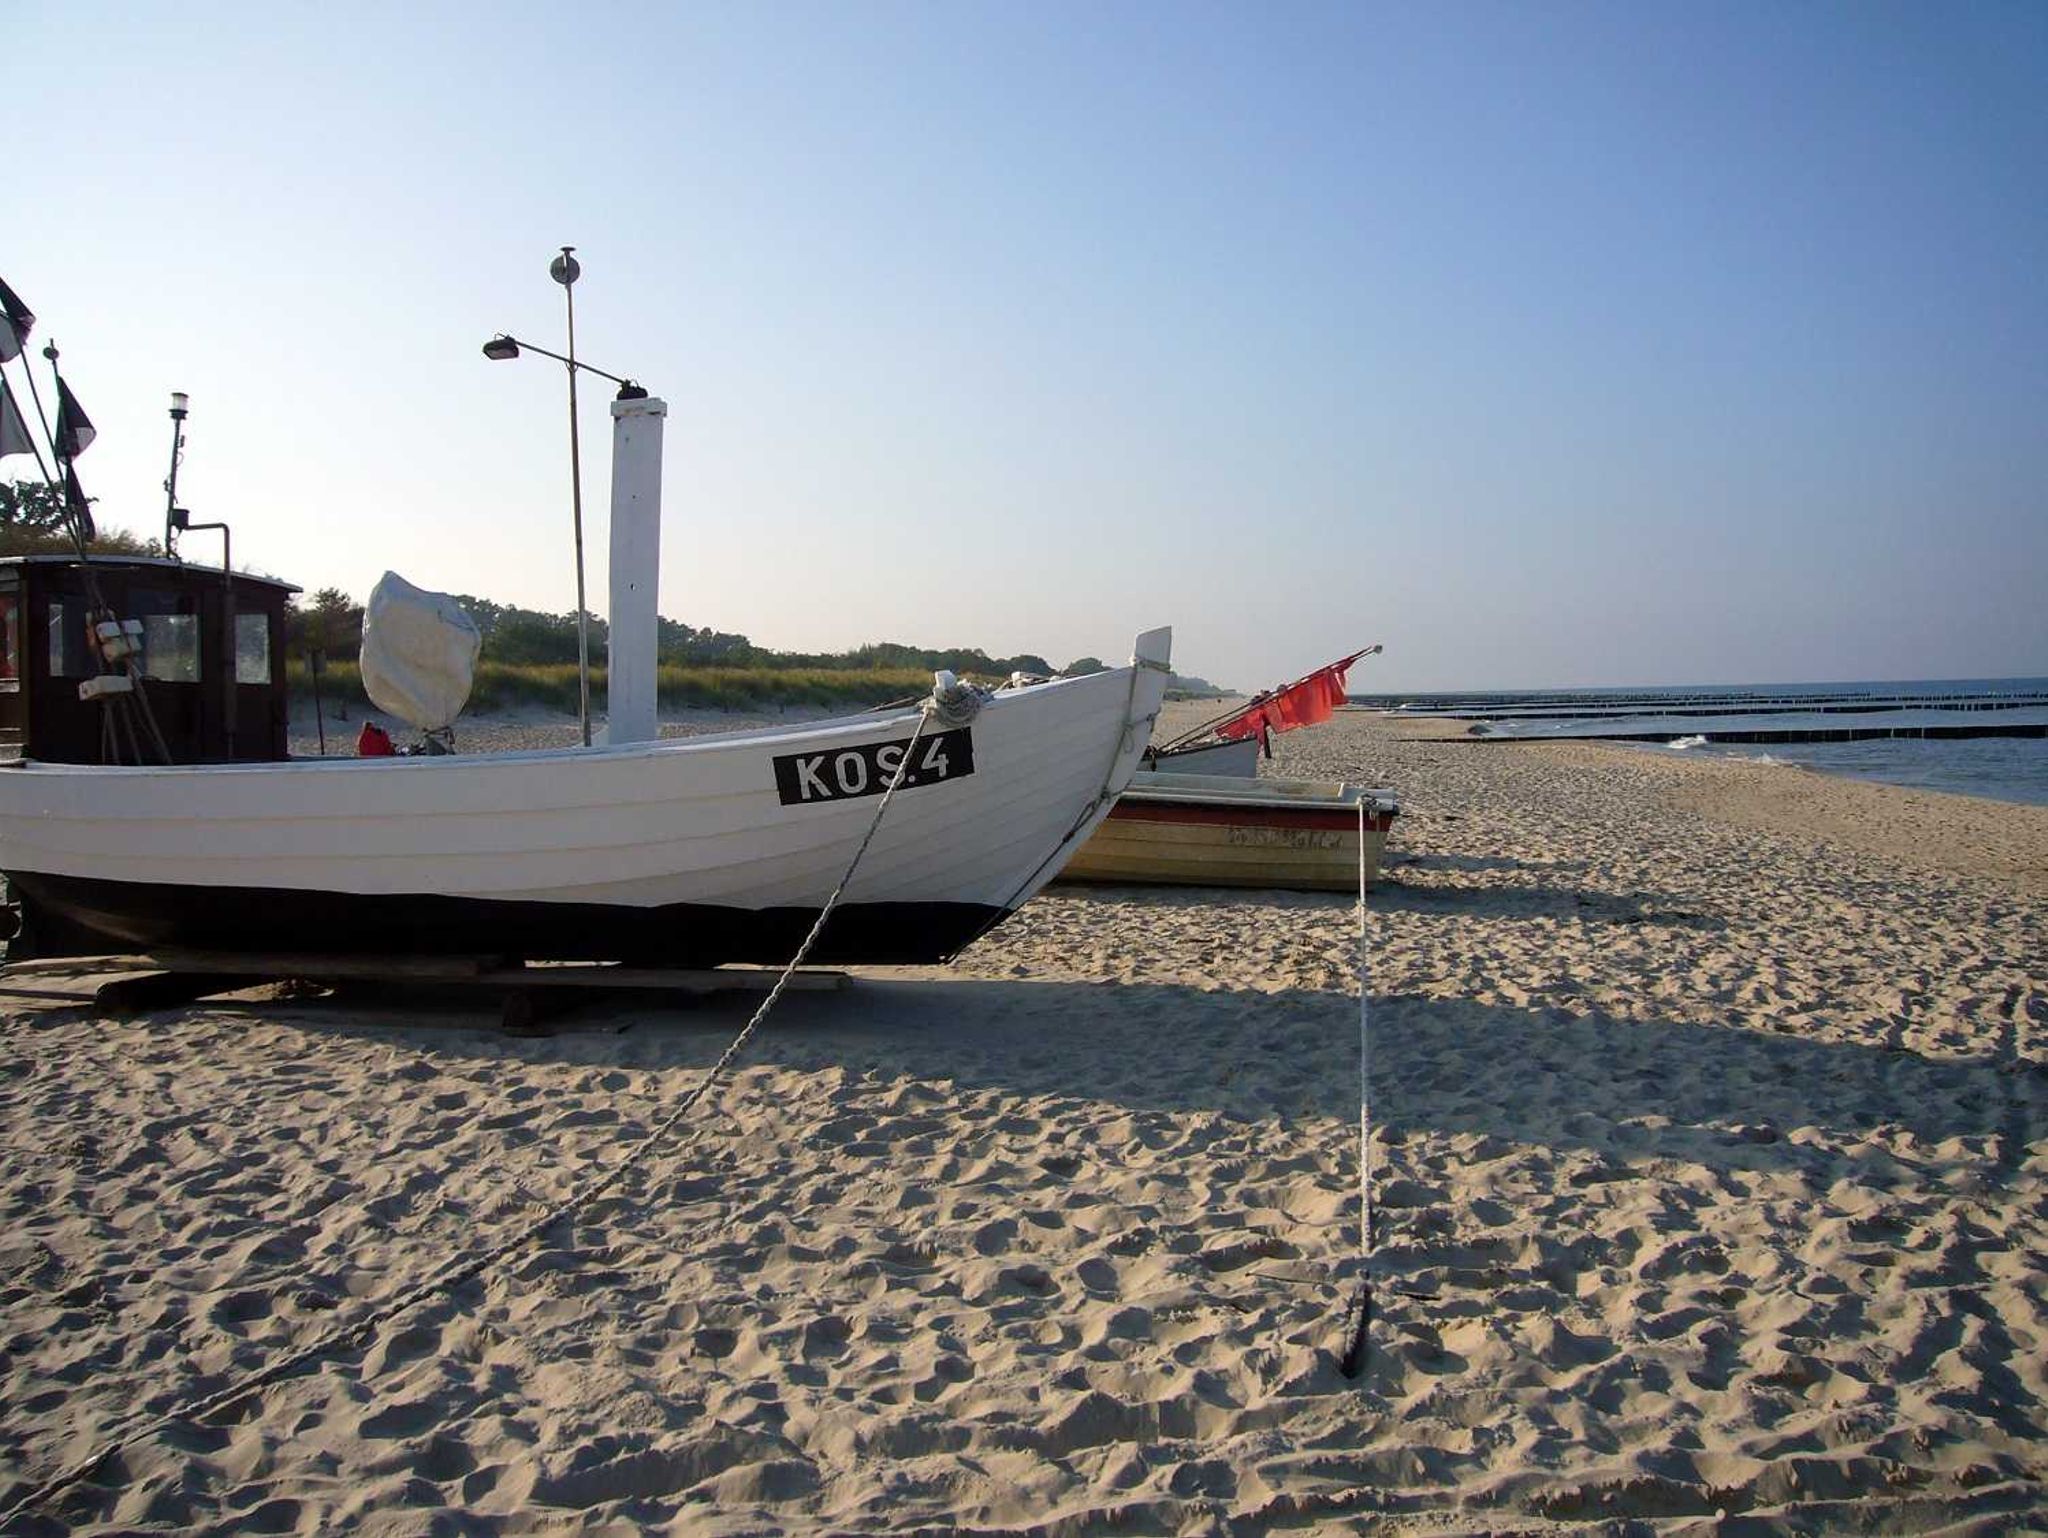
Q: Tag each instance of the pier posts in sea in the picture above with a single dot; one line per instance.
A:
(630, 658)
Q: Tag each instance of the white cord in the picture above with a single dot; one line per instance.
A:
(458, 1272)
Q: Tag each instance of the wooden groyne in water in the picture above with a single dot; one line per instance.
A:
(1567, 706)
(1735, 715)
(1789, 734)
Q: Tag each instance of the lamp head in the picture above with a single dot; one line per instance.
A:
(499, 348)
(179, 401)
(565, 269)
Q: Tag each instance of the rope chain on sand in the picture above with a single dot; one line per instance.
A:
(455, 1275)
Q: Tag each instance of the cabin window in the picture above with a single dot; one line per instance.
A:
(252, 648)
(68, 657)
(170, 637)
(170, 647)
(10, 635)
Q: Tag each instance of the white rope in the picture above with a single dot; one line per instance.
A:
(1364, 1050)
(455, 1274)
(1359, 1345)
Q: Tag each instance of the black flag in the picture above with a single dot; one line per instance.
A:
(75, 431)
(81, 509)
(14, 435)
(15, 321)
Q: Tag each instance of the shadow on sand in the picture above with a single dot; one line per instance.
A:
(1727, 1098)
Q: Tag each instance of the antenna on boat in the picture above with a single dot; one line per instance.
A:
(177, 520)
(175, 517)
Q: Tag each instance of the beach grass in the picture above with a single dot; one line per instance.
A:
(552, 686)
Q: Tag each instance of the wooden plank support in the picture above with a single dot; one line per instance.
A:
(168, 978)
(493, 971)
(69, 966)
(144, 991)
(525, 1012)
(313, 965)
(665, 979)
(51, 995)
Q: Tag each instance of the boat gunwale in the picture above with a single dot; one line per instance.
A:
(1376, 799)
(857, 724)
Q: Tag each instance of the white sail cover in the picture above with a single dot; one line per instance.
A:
(419, 653)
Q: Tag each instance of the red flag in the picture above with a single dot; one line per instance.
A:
(1302, 703)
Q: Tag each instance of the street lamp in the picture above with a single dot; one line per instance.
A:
(502, 348)
(565, 270)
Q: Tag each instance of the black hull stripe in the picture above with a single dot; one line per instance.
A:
(72, 915)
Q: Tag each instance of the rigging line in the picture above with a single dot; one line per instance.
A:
(62, 486)
(74, 516)
(35, 395)
(457, 1273)
(136, 702)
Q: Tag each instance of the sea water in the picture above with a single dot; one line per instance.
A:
(1997, 768)
(2001, 768)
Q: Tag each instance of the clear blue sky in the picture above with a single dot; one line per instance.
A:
(1565, 344)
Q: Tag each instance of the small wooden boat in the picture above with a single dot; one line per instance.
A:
(1239, 758)
(1220, 830)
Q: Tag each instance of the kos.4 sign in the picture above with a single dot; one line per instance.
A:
(840, 774)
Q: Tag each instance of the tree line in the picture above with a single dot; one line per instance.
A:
(35, 521)
(32, 522)
(331, 623)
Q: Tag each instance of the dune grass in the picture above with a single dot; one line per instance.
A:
(552, 686)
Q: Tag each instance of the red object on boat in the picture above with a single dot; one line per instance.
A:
(374, 742)
(1301, 703)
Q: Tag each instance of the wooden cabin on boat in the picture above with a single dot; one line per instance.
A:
(212, 659)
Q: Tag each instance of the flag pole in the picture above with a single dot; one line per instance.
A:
(565, 270)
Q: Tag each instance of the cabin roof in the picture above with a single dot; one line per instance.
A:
(158, 562)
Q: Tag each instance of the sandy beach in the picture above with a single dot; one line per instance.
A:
(1710, 1114)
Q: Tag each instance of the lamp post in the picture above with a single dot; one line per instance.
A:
(565, 270)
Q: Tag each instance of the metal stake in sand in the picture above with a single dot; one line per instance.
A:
(1360, 1347)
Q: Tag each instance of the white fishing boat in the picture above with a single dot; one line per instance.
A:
(151, 803)
(1222, 830)
(686, 852)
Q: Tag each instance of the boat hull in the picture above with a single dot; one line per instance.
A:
(68, 915)
(686, 852)
(1204, 830)
(1239, 758)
